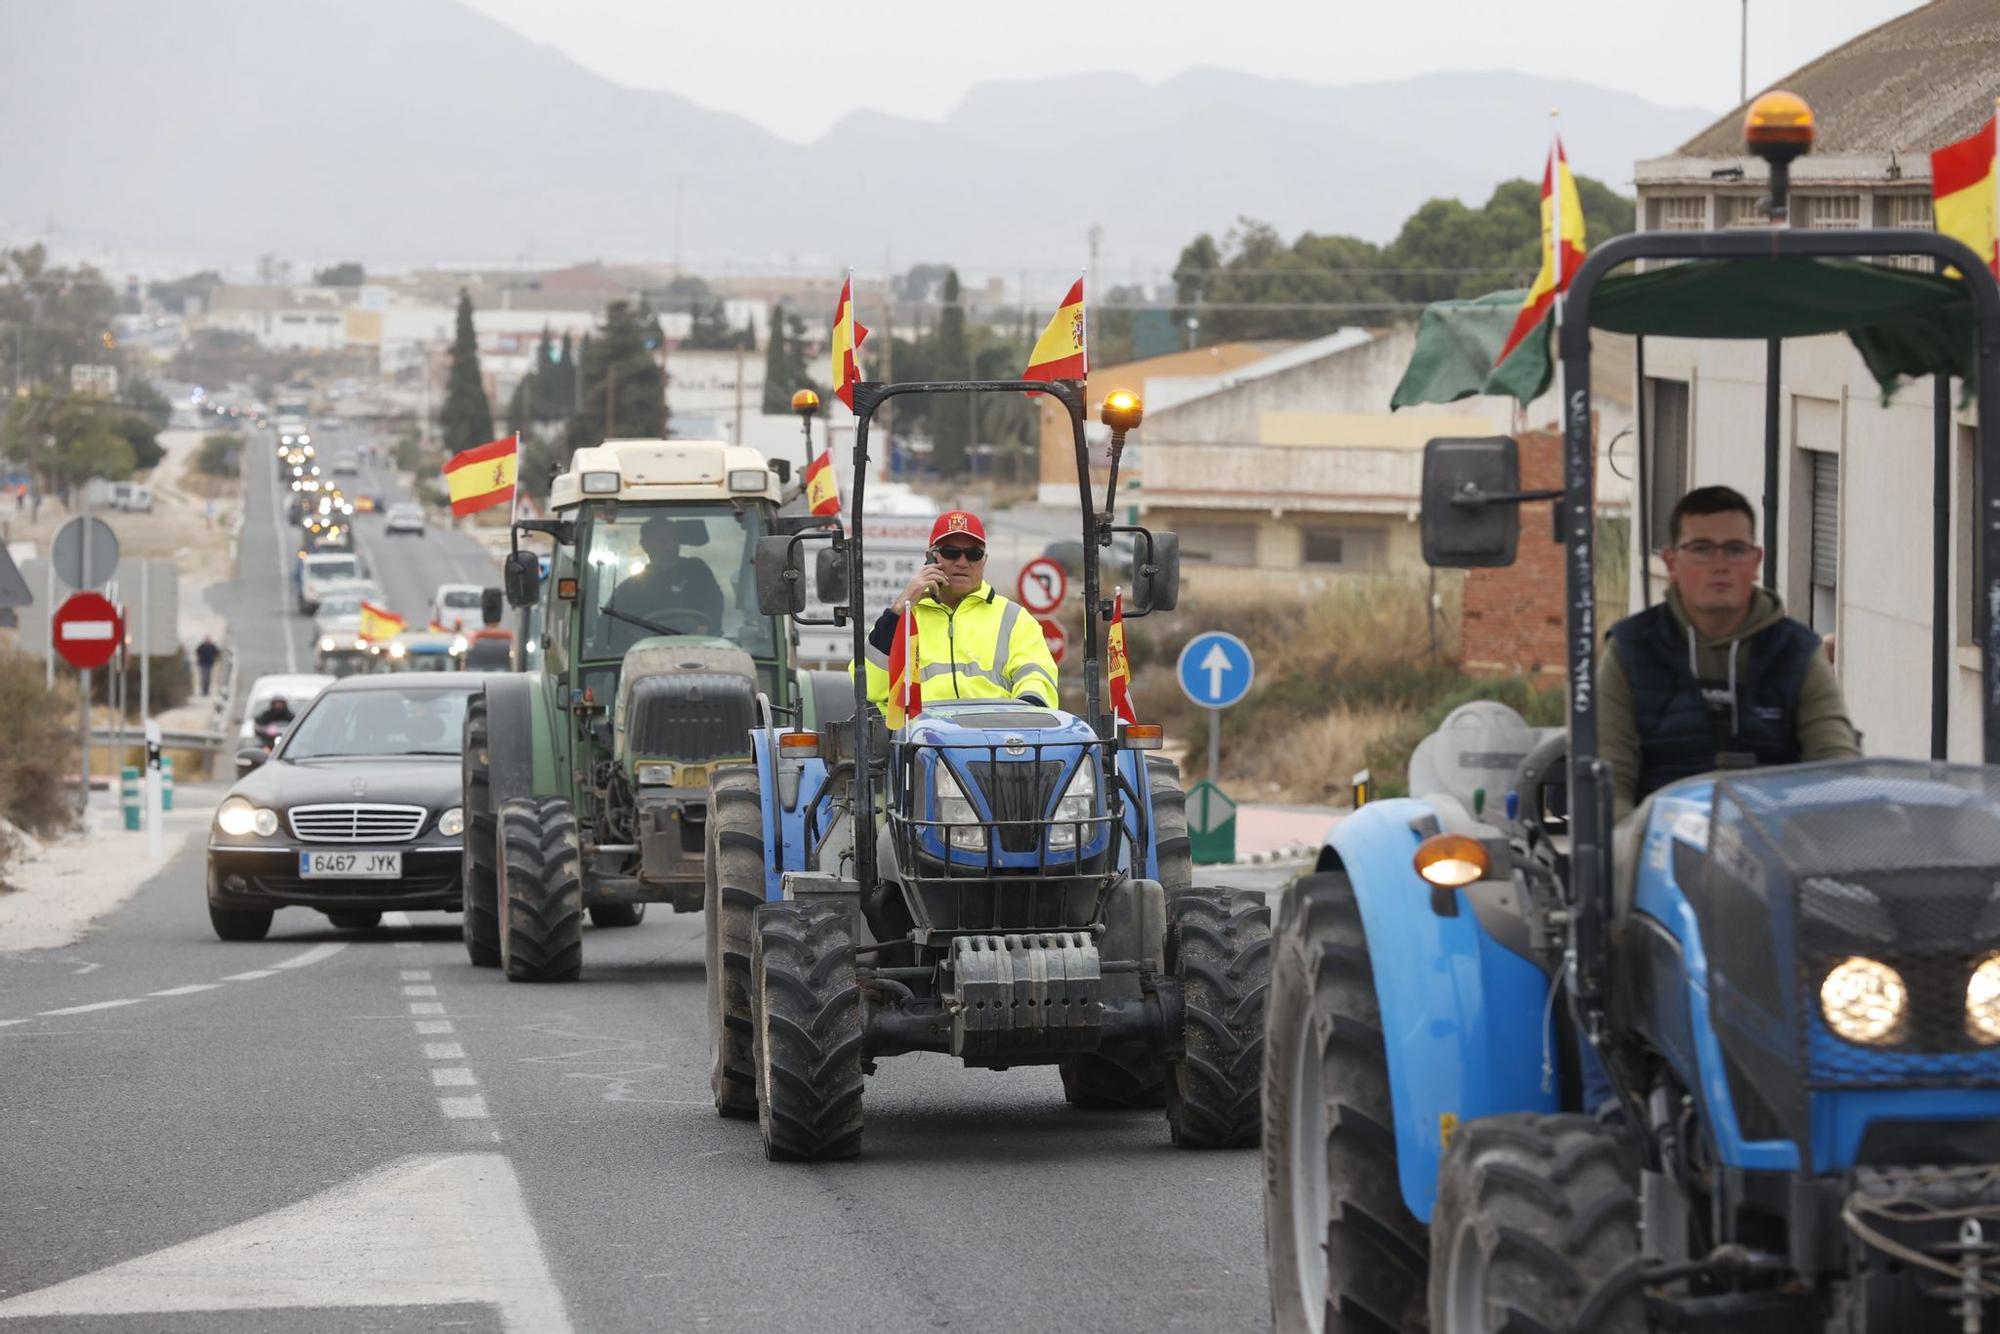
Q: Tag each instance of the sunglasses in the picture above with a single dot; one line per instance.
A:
(972, 555)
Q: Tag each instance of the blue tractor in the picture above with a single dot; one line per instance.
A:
(998, 880)
(1789, 978)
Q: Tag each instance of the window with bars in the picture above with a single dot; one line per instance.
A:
(1910, 213)
(1826, 212)
(1683, 213)
(1667, 425)
(1742, 211)
(1345, 548)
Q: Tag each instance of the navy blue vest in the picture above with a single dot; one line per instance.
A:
(1686, 726)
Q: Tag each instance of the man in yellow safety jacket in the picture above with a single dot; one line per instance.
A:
(971, 642)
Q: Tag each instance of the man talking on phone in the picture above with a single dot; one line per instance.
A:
(971, 642)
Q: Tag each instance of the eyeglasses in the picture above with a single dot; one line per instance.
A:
(971, 555)
(1702, 551)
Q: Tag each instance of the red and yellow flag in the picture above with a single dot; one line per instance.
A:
(1562, 249)
(822, 487)
(1119, 668)
(906, 692)
(1962, 193)
(379, 623)
(848, 336)
(1060, 353)
(483, 476)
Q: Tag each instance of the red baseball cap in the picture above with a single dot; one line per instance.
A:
(958, 521)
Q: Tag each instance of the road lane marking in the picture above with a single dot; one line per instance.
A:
(453, 1076)
(9, 1023)
(420, 990)
(252, 975)
(426, 1007)
(284, 575)
(187, 990)
(86, 968)
(416, 974)
(313, 955)
(433, 1026)
(86, 1009)
(396, 917)
(443, 1051)
(464, 1213)
(472, 1108)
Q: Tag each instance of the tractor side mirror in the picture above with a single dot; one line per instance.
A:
(492, 606)
(1471, 515)
(522, 573)
(781, 589)
(830, 576)
(782, 467)
(1156, 579)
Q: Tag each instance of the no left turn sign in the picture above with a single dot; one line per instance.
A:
(1043, 585)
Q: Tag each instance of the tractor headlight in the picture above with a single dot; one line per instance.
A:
(954, 808)
(1865, 1001)
(1076, 805)
(237, 816)
(658, 774)
(452, 823)
(600, 483)
(749, 479)
(1982, 1001)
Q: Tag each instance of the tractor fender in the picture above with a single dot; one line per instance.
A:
(1138, 791)
(521, 739)
(788, 790)
(1465, 1020)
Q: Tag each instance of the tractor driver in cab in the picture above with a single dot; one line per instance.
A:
(971, 642)
(673, 595)
(1716, 676)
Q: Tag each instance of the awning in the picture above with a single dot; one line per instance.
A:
(1902, 323)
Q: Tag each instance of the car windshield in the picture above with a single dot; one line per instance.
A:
(680, 571)
(461, 597)
(340, 604)
(331, 569)
(356, 723)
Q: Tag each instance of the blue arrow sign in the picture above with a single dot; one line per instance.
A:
(1216, 669)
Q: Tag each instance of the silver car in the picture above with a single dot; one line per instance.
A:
(405, 517)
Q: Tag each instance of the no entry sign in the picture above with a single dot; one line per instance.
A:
(1053, 632)
(87, 630)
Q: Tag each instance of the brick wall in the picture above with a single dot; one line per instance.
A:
(1514, 615)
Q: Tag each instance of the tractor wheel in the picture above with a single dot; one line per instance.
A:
(478, 877)
(1124, 1080)
(1219, 949)
(808, 1022)
(1170, 828)
(733, 874)
(1537, 1227)
(355, 921)
(1342, 1251)
(617, 914)
(541, 891)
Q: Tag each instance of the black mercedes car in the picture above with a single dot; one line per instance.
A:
(354, 813)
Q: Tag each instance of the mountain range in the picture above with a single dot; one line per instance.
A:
(415, 132)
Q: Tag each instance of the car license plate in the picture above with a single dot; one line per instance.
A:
(351, 865)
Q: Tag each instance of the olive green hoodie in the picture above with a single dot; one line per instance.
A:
(1824, 730)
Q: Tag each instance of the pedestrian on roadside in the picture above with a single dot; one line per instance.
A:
(205, 655)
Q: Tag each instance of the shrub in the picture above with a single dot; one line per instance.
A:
(220, 455)
(37, 747)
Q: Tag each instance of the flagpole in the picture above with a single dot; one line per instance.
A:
(514, 509)
(1556, 262)
(1082, 276)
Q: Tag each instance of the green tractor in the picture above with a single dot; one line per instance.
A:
(586, 777)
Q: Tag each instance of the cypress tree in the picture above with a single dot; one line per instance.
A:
(467, 418)
(951, 414)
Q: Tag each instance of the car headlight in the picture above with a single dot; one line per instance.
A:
(452, 823)
(458, 647)
(239, 816)
(1865, 1001)
(326, 643)
(1078, 800)
(1982, 1001)
(955, 809)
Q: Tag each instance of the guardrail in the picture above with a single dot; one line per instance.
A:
(213, 742)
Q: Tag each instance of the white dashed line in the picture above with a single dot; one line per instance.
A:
(453, 1076)
(9, 1023)
(396, 917)
(86, 1009)
(420, 990)
(443, 1051)
(416, 974)
(426, 1007)
(251, 976)
(313, 955)
(187, 990)
(472, 1108)
(433, 1026)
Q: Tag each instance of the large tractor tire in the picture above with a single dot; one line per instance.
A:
(478, 874)
(1219, 949)
(808, 1020)
(604, 915)
(733, 875)
(1115, 1080)
(1170, 827)
(541, 891)
(1343, 1252)
(1537, 1227)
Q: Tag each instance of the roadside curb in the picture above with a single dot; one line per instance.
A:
(1292, 853)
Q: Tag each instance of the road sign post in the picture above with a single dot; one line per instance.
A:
(1215, 670)
(86, 630)
(1057, 637)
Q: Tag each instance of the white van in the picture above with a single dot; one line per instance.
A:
(320, 571)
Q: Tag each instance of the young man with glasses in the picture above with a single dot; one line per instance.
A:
(1717, 676)
(971, 642)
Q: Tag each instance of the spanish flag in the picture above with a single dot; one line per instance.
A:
(1962, 193)
(1060, 353)
(1119, 668)
(822, 488)
(483, 476)
(906, 692)
(379, 623)
(848, 336)
(1562, 250)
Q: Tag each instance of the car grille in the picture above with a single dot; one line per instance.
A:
(356, 823)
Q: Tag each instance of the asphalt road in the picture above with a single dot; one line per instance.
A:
(361, 1131)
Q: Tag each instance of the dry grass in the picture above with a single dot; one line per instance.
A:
(37, 747)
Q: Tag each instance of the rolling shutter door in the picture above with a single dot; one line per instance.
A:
(1825, 519)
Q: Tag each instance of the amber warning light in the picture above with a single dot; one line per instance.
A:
(805, 402)
(1779, 120)
(1122, 410)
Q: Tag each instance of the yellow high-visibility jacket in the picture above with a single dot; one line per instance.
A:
(987, 648)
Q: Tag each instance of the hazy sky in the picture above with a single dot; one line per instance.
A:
(796, 67)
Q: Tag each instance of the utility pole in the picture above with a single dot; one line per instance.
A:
(1743, 58)
(739, 392)
(610, 401)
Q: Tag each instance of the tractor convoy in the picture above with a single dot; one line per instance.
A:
(1731, 1063)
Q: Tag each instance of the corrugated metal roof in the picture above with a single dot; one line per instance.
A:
(1913, 84)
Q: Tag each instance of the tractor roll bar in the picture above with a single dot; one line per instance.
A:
(1589, 779)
